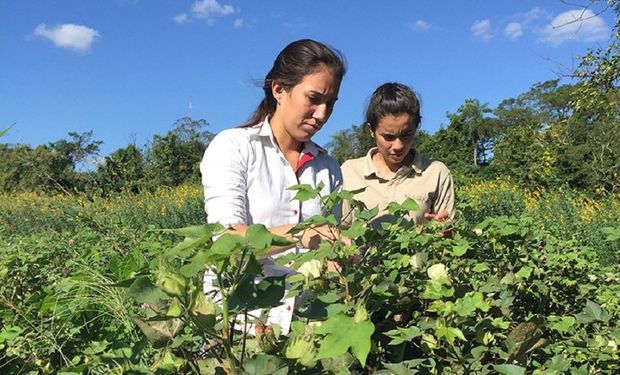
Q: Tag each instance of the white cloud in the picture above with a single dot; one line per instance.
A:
(74, 37)
(513, 30)
(238, 23)
(421, 25)
(181, 18)
(211, 9)
(575, 25)
(481, 29)
(533, 15)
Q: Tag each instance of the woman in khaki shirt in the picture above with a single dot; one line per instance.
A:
(393, 171)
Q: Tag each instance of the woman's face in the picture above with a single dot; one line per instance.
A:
(304, 109)
(394, 137)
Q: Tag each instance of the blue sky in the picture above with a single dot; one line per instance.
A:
(126, 69)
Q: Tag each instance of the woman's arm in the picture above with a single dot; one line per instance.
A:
(309, 238)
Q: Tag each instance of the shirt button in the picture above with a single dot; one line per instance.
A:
(295, 212)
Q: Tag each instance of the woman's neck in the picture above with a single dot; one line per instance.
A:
(283, 139)
(389, 169)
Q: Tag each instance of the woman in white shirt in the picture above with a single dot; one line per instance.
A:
(246, 171)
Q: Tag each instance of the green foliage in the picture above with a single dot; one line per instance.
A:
(174, 158)
(47, 168)
(506, 293)
(350, 143)
(122, 170)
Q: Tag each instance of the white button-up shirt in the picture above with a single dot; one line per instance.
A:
(246, 180)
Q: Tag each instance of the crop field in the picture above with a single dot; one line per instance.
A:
(522, 282)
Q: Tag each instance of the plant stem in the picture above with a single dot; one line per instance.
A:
(232, 363)
(245, 336)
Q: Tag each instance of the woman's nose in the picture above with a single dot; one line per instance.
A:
(397, 144)
(320, 113)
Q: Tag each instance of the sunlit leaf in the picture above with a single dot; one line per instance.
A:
(259, 238)
(508, 369)
(341, 333)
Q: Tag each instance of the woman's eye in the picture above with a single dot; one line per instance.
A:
(315, 100)
(389, 137)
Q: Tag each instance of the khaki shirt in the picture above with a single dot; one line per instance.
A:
(428, 182)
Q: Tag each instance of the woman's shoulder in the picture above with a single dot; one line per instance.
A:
(353, 165)
(232, 137)
(353, 171)
(430, 166)
(237, 133)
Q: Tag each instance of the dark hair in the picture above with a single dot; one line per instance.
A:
(293, 63)
(392, 99)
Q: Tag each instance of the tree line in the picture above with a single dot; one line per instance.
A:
(544, 138)
(171, 159)
(552, 135)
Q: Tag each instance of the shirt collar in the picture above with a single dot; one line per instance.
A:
(418, 164)
(264, 130)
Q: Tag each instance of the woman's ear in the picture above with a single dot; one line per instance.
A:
(277, 90)
(370, 131)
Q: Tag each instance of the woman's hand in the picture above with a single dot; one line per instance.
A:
(442, 217)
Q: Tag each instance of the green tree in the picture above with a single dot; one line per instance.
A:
(174, 158)
(465, 145)
(350, 143)
(123, 170)
(47, 168)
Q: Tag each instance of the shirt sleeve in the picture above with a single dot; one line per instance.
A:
(224, 170)
(445, 195)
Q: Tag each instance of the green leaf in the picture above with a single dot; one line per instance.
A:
(250, 295)
(565, 324)
(265, 364)
(194, 237)
(159, 333)
(401, 335)
(470, 303)
(558, 364)
(198, 231)
(367, 215)
(168, 362)
(480, 267)
(259, 238)
(500, 323)
(305, 192)
(301, 347)
(524, 272)
(357, 229)
(5, 131)
(10, 333)
(191, 269)
(144, 291)
(409, 205)
(508, 369)
(224, 247)
(341, 333)
(591, 313)
(435, 290)
(460, 248)
(450, 333)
